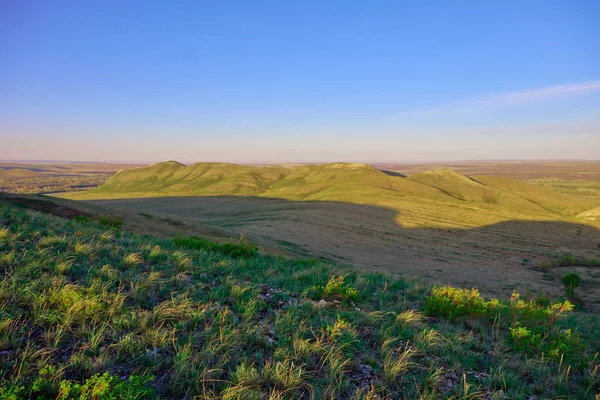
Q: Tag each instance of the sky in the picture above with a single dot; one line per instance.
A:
(293, 81)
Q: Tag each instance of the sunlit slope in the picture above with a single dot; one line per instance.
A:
(337, 181)
(455, 185)
(510, 194)
(592, 215)
(173, 178)
(518, 194)
(438, 198)
(348, 182)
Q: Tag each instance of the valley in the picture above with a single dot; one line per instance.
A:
(481, 231)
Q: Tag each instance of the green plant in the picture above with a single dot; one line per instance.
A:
(545, 265)
(107, 387)
(571, 281)
(451, 302)
(78, 321)
(335, 289)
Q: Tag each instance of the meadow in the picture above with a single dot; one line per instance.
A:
(482, 230)
(91, 310)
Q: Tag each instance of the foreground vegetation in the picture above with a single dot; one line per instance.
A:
(88, 310)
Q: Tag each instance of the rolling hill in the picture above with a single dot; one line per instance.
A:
(442, 197)
(18, 173)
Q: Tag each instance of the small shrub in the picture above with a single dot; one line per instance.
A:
(571, 281)
(335, 289)
(523, 338)
(565, 261)
(452, 303)
(545, 265)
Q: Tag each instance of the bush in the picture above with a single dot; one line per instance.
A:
(545, 265)
(532, 324)
(452, 303)
(335, 289)
(571, 281)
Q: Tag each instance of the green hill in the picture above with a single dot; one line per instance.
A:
(455, 185)
(89, 311)
(435, 198)
(174, 178)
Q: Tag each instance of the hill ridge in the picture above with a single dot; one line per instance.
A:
(345, 182)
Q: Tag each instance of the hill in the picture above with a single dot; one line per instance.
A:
(16, 173)
(94, 311)
(436, 198)
(455, 185)
(592, 215)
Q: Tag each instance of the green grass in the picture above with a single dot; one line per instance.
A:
(90, 311)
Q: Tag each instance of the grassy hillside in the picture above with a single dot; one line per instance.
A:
(437, 198)
(92, 312)
(592, 215)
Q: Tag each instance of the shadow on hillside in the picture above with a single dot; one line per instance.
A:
(393, 173)
(495, 258)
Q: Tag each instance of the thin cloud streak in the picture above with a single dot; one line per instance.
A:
(544, 93)
(506, 99)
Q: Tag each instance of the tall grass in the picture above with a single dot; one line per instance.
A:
(86, 313)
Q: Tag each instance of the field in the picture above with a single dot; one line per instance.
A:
(496, 258)
(521, 170)
(90, 310)
(316, 281)
(52, 178)
(484, 231)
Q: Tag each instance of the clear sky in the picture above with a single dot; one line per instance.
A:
(253, 81)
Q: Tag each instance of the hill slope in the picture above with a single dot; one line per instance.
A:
(436, 198)
(16, 173)
(592, 215)
(90, 312)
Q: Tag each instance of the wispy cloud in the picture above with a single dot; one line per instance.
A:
(507, 99)
(544, 93)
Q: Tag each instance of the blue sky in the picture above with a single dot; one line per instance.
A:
(253, 81)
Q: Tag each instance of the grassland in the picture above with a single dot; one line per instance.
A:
(89, 310)
(51, 178)
(519, 170)
(441, 194)
(484, 231)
